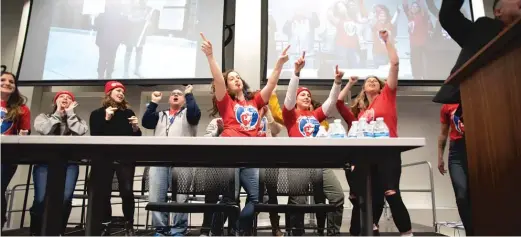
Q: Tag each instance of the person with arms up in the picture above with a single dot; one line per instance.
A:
(15, 119)
(458, 166)
(181, 119)
(377, 189)
(239, 109)
(62, 121)
(300, 121)
(471, 37)
(115, 118)
(378, 100)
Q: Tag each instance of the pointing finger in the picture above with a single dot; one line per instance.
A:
(202, 36)
(285, 51)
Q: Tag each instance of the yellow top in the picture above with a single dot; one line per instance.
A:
(276, 111)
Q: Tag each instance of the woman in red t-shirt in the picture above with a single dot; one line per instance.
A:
(239, 110)
(378, 99)
(302, 119)
(458, 166)
(420, 27)
(15, 120)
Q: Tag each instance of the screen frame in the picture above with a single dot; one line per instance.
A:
(139, 82)
(323, 81)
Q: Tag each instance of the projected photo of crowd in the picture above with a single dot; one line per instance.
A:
(345, 32)
(128, 39)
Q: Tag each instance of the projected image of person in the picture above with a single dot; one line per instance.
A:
(300, 30)
(420, 27)
(71, 40)
(345, 17)
(380, 19)
(142, 21)
(110, 27)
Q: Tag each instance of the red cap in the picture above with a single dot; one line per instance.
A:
(301, 89)
(61, 93)
(111, 85)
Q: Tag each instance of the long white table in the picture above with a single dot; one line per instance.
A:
(188, 152)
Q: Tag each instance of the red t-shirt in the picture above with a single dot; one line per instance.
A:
(303, 123)
(457, 129)
(384, 105)
(240, 118)
(346, 35)
(263, 129)
(419, 29)
(10, 127)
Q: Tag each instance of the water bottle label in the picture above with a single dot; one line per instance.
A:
(381, 134)
(337, 135)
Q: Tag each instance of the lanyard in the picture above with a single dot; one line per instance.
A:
(171, 120)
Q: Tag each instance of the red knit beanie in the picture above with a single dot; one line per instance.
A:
(61, 93)
(111, 85)
(301, 89)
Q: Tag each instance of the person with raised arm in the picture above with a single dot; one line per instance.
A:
(115, 118)
(300, 121)
(377, 190)
(239, 110)
(378, 99)
(63, 121)
(15, 119)
(180, 120)
(471, 37)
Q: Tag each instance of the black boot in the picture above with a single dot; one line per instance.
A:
(36, 225)
(275, 229)
(129, 228)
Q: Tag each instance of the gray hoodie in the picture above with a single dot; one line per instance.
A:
(55, 124)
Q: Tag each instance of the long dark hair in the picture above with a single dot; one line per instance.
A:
(361, 102)
(15, 102)
(248, 95)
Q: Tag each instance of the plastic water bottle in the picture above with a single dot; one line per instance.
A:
(370, 129)
(337, 130)
(322, 132)
(380, 129)
(362, 127)
(354, 130)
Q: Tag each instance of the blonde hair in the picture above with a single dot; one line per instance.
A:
(361, 102)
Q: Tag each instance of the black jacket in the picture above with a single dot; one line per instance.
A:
(470, 36)
(118, 125)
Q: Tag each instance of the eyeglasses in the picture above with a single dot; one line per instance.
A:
(178, 93)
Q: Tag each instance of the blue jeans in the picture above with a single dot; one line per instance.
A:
(458, 170)
(160, 179)
(249, 180)
(40, 185)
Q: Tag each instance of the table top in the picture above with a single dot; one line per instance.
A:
(203, 151)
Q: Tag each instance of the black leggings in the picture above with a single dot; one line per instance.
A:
(125, 176)
(386, 177)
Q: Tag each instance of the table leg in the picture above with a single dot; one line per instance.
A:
(99, 189)
(367, 216)
(52, 223)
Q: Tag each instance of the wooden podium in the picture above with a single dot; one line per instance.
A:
(490, 86)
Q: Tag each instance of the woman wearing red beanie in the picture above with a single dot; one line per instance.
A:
(302, 119)
(115, 118)
(61, 121)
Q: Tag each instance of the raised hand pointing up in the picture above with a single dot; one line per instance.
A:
(338, 75)
(300, 63)
(284, 57)
(206, 46)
